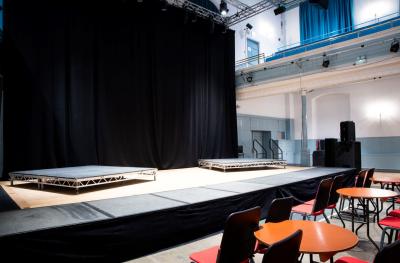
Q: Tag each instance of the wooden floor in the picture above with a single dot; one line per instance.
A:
(27, 195)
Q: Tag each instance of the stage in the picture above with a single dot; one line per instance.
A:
(121, 222)
(27, 195)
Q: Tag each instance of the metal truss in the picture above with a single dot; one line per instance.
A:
(78, 183)
(244, 13)
(258, 8)
(199, 10)
(238, 163)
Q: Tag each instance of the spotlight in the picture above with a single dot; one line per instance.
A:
(394, 47)
(163, 5)
(325, 63)
(279, 10)
(249, 26)
(223, 8)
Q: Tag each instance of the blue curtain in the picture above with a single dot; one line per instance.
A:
(316, 23)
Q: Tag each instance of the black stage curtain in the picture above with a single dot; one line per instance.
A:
(115, 83)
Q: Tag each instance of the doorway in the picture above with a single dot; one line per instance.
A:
(253, 49)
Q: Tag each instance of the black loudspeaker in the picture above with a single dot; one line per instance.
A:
(318, 158)
(348, 154)
(330, 152)
(347, 131)
(322, 3)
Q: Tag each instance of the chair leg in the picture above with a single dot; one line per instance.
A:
(391, 236)
(340, 217)
(326, 218)
(383, 238)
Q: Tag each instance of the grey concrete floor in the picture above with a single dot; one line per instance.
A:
(364, 250)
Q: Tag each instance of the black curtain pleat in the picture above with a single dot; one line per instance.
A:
(114, 83)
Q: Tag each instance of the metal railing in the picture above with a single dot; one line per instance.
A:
(250, 61)
(274, 145)
(331, 37)
(264, 151)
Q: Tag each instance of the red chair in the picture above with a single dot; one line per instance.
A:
(238, 241)
(390, 223)
(278, 211)
(368, 178)
(385, 255)
(361, 178)
(395, 213)
(319, 204)
(286, 250)
(333, 196)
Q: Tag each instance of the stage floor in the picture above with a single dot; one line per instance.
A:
(27, 195)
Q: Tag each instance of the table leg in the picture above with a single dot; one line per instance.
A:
(352, 214)
(369, 237)
(311, 258)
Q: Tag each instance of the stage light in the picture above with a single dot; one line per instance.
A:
(249, 26)
(223, 8)
(394, 47)
(325, 62)
(279, 10)
(163, 5)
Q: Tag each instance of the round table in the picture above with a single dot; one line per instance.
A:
(392, 180)
(318, 237)
(365, 194)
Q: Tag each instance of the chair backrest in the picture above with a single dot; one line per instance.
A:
(285, 250)
(368, 178)
(322, 196)
(279, 210)
(238, 239)
(389, 253)
(360, 179)
(336, 184)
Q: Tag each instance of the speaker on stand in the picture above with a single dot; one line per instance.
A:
(347, 131)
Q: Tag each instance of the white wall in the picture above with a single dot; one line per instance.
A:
(273, 106)
(367, 10)
(374, 107)
(327, 112)
(266, 30)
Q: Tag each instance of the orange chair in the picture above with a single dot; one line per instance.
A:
(385, 255)
(238, 241)
(319, 204)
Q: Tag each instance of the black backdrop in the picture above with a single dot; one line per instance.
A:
(115, 83)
